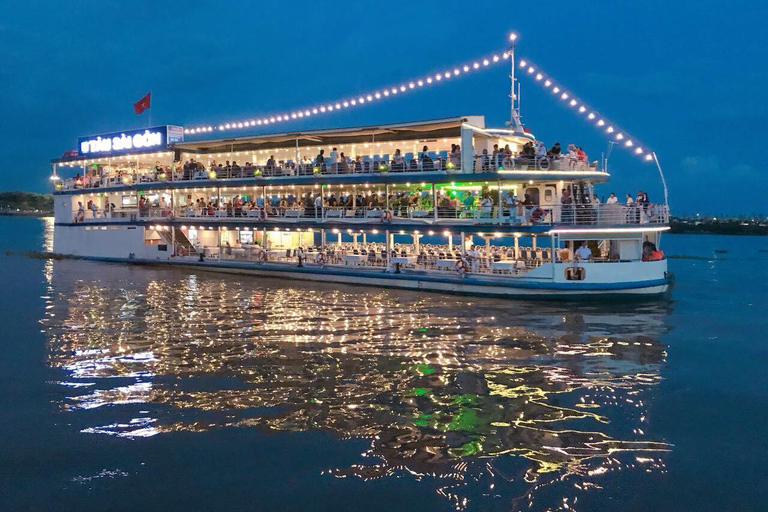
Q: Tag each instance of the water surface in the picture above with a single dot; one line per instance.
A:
(130, 388)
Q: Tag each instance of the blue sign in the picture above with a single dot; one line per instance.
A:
(157, 138)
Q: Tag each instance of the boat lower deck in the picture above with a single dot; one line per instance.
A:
(510, 286)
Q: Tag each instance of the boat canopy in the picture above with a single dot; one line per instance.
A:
(416, 130)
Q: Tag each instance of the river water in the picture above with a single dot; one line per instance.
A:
(139, 388)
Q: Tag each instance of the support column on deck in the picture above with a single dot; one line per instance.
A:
(434, 200)
(463, 244)
(218, 229)
(450, 241)
(499, 207)
(533, 242)
(388, 247)
(322, 238)
(552, 247)
(517, 246)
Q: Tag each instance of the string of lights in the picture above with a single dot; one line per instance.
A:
(610, 129)
(359, 100)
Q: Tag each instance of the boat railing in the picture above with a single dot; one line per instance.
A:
(505, 162)
(519, 215)
(438, 259)
(483, 164)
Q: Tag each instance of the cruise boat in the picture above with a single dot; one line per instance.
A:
(443, 205)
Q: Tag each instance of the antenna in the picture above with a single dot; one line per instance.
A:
(611, 143)
(514, 110)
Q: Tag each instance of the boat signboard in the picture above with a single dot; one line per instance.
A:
(157, 138)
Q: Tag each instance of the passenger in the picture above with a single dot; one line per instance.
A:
(461, 267)
(651, 253)
(542, 161)
(612, 199)
(528, 150)
(583, 253)
(426, 160)
(343, 165)
(567, 206)
(630, 201)
(271, 163)
(398, 164)
(581, 155)
(485, 161)
(572, 156)
(468, 201)
(334, 160)
(320, 160)
(487, 205)
(358, 163)
(455, 156)
(473, 256)
(555, 150)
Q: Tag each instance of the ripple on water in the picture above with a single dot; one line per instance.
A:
(491, 400)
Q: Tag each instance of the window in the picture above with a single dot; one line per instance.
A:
(575, 273)
(534, 193)
(246, 237)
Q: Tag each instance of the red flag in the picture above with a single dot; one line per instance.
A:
(141, 105)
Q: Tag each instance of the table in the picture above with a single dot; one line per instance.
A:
(357, 259)
(445, 264)
(237, 252)
(507, 265)
(404, 260)
(276, 253)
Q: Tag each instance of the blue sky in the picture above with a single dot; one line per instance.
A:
(685, 78)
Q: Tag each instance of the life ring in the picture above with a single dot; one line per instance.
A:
(542, 163)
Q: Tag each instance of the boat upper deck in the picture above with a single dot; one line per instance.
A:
(429, 151)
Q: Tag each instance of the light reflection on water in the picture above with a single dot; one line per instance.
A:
(490, 402)
(478, 401)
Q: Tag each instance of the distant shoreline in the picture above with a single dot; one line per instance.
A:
(13, 213)
(724, 227)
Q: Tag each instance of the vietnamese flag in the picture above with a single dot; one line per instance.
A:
(141, 105)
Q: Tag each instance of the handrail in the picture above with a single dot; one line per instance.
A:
(518, 215)
(374, 167)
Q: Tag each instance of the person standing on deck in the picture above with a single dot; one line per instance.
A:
(334, 160)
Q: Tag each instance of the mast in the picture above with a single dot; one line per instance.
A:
(514, 110)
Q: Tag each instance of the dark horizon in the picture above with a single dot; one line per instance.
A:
(665, 73)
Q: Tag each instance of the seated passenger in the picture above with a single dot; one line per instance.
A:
(398, 164)
(583, 253)
(426, 160)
